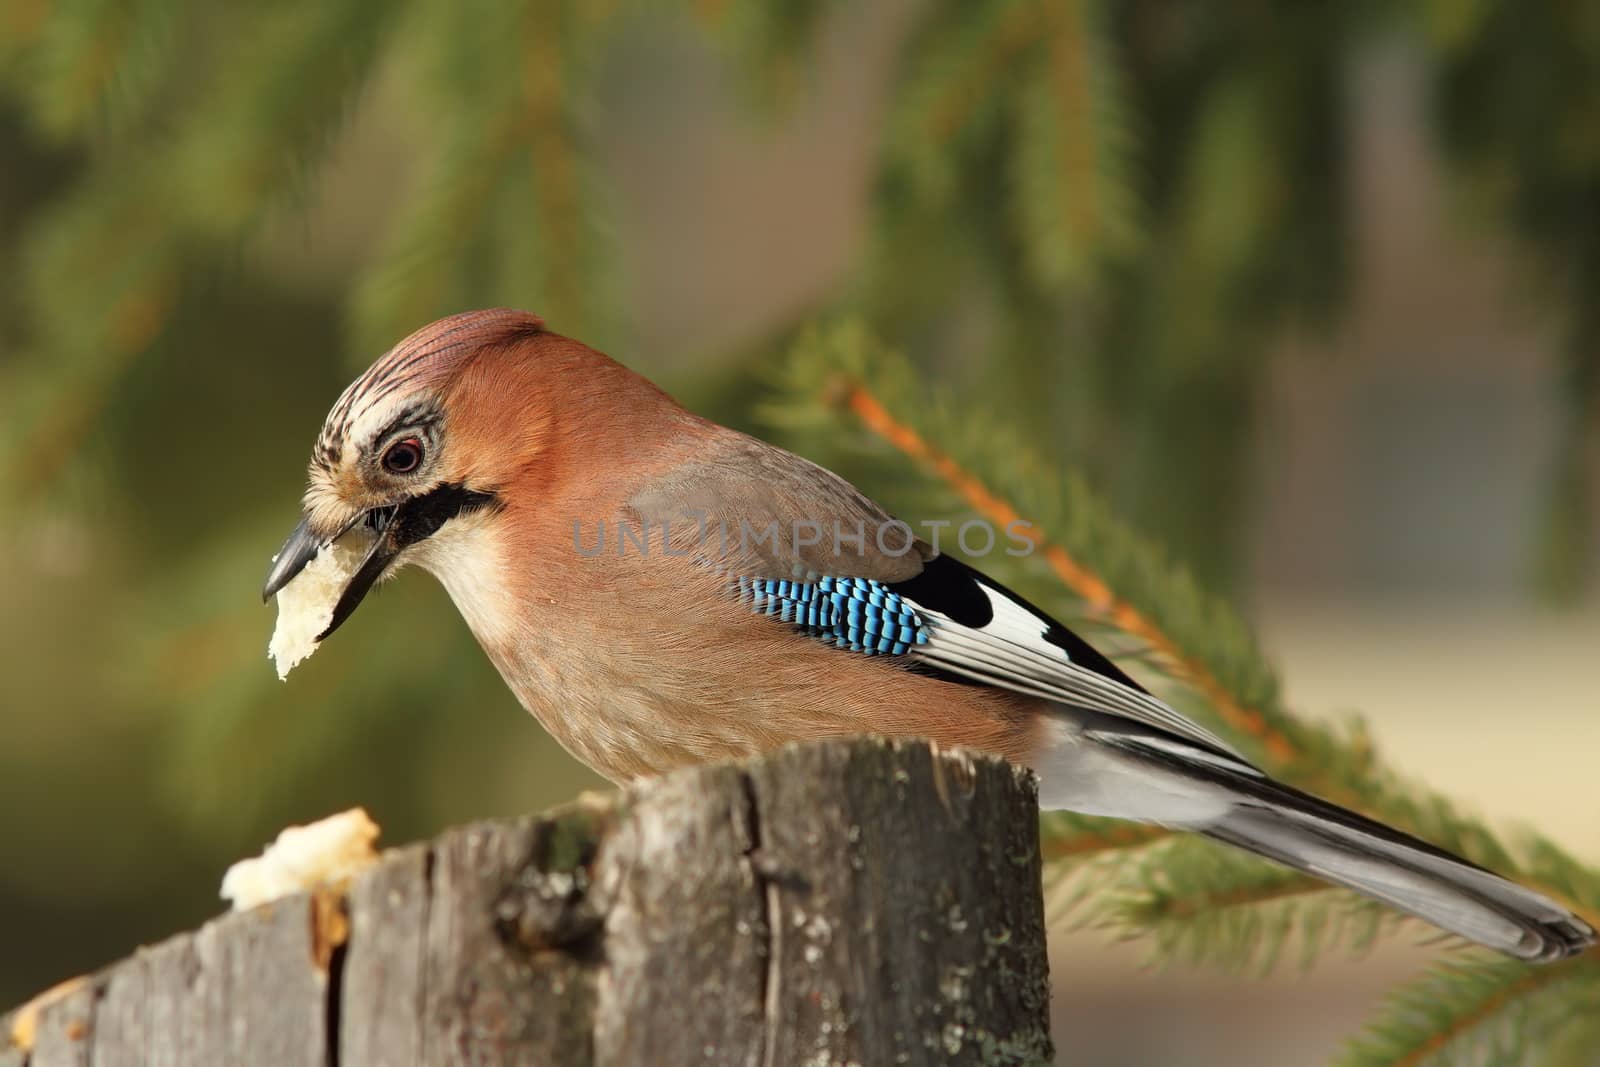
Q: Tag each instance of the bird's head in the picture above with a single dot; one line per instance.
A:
(427, 438)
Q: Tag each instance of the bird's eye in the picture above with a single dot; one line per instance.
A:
(403, 457)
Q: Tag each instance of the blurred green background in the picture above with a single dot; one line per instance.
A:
(1308, 289)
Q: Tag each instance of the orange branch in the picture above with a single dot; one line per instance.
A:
(1081, 580)
(1112, 838)
(1457, 1027)
(1241, 897)
(1102, 601)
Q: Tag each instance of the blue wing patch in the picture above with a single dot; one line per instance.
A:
(853, 613)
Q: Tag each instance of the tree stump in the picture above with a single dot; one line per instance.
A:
(850, 903)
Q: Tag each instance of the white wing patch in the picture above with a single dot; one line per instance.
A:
(1011, 651)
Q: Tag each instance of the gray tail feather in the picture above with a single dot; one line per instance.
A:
(1349, 850)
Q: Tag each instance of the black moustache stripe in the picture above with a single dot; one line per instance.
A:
(421, 516)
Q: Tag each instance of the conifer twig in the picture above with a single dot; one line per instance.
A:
(1448, 1003)
(1099, 597)
(1103, 601)
(1242, 896)
(1113, 837)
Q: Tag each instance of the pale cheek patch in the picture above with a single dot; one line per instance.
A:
(305, 605)
(325, 853)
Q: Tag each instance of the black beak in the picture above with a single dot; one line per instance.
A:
(394, 528)
(303, 545)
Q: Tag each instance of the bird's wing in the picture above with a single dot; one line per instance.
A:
(981, 631)
(753, 510)
(784, 533)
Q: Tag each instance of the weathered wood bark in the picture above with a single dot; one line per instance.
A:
(853, 903)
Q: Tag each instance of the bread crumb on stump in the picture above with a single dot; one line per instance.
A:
(25, 1024)
(323, 854)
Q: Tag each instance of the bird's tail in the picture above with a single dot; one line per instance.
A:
(1349, 850)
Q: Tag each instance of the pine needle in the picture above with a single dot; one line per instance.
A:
(1192, 901)
(1485, 1011)
(98, 63)
(1074, 196)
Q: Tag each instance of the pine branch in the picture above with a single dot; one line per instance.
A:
(1562, 563)
(1075, 201)
(1507, 116)
(1455, 1004)
(1571, 1044)
(769, 41)
(1195, 901)
(1265, 725)
(1070, 837)
(21, 25)
(416, 274)
(560, 215)
(506, 144)
(959, 66)
(104, 247)
(274, 108)
(119, 242)
(99, 61)
(843, 373)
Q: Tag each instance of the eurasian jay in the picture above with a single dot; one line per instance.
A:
(659, 590)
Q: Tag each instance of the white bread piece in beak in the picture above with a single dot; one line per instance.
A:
(305, 605)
